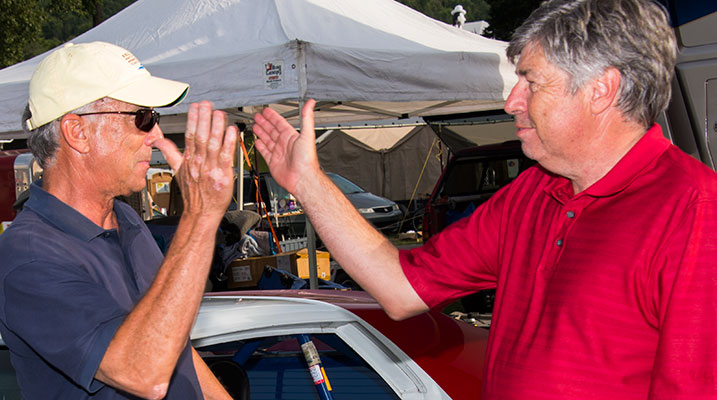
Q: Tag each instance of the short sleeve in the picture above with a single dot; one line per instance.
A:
(461, 259)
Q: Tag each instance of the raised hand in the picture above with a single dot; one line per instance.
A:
(142, 345)
(205, 174)
(289, 154)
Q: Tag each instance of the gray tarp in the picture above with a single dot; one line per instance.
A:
(392, 172)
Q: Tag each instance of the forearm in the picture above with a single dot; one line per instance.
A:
(144, 350)
(361, 250)
(366, 254)
(212, 389)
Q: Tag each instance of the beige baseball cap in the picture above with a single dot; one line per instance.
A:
(78, 74)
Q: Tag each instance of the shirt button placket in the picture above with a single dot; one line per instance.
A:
(570, 214)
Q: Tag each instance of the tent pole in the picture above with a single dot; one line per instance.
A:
(240, 177)
(311, 248)
(310, 234)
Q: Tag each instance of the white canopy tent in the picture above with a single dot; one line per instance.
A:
(361, 60)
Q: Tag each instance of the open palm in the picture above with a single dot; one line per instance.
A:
(288, 153)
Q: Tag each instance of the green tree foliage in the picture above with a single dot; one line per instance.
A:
(31, 27)
(507, 15)
(476, 10)
(20, 22)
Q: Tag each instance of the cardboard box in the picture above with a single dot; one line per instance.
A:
(323, 264)
(159, 188)
(247, 272)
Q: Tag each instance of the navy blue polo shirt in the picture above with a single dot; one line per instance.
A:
(67, 285)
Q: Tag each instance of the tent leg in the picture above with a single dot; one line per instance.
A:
(310, 235)
(311, 248)
(240, 177)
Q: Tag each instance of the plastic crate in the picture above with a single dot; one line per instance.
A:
(293, 244)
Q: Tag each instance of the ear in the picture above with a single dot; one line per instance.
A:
(72, 129)
(605, 90)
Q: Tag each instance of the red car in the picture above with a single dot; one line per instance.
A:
(364, 353)
(254, 341)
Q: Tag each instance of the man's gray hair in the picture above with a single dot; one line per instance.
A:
(585, 37)
(45, 140)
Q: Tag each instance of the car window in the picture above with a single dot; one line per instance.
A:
(9, 390)
(480, 176)
(277, 369)
(345, 185)
(270, 193)
(275, 191)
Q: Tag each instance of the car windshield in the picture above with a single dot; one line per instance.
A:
(345, 185)
(275, 190)
(477, 176)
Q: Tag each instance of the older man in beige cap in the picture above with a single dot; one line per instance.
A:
(89, 308)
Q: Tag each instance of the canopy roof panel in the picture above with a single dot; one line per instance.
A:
(362, 60)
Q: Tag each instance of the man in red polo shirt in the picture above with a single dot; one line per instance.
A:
(604, 256)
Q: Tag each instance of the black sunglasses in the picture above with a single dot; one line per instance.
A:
(145, 118)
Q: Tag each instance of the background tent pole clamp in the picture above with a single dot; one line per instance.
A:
(310, 234)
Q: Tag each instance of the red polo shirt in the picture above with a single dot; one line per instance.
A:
(607, 294)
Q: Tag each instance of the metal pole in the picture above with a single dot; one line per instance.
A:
(310, 234)
(311, 248)
(240, 178)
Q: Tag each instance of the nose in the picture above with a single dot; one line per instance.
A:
(153, 135)
(517, 99)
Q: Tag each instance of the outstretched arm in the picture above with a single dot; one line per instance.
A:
(144, 351)
(360, 249)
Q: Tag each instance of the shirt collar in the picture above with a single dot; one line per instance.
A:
(66, 218)
(638, 158)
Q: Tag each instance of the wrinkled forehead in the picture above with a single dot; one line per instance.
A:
(532, 58)
(534, 66)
